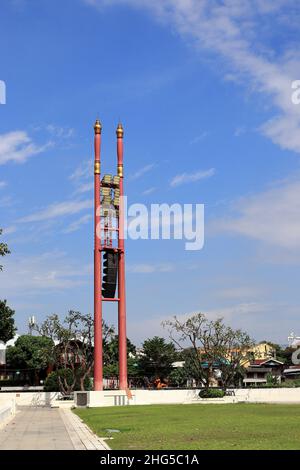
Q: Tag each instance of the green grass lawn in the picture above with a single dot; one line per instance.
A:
(171, 427)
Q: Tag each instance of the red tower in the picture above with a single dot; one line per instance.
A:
(109, 256)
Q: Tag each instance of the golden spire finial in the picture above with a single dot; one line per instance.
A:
(120, 131)
(97, 127)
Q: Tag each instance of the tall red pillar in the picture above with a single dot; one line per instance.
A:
(123, 384)
(98, 359)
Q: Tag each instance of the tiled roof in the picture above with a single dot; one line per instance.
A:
(260, 362)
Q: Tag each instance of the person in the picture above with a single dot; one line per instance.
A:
(159, 384)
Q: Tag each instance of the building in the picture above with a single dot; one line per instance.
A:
(259, 371)
(292, 373)
(261, 351)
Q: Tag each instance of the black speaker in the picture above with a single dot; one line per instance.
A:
(110, 274)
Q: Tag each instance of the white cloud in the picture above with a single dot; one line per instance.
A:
(240, 292)
(83, 171)
(142, 171)
(60, 209)
(78, 223)
(82, 177)
(253, 317)
(6, 201)
(236, 30)
(185, 178)
(239, 309)
(239, 131)
(284, 131)
(149, 191)
(3, 184)
(198, 138)
(60, 132)
(151, 268)
(272, 216)
(85, 188)
(240, 315)
(9, 230)
(46, 271)
(18, 147)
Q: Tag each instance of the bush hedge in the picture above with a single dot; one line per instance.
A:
(212, 393)
(288, 384)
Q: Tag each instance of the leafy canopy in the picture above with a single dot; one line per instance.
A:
(3, 249)
(157, 359)
(7, 322)
(29, 352)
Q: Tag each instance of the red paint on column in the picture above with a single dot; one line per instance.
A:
(123, 383)
(98, 354)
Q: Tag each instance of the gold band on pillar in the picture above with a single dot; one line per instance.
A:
(120, 131)
(97, 168)
(120, 171)
(97, 127)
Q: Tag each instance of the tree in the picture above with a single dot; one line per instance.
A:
(111, 356)
(213, 346)
(52, 380)
(178, 377)
(31, 355)
(73, 347)
(193, 331)
(3, 249)
(272, 380)
(281, 354)
(191, 367)
(286, 355)
(7, 322)
(233, 352)
(157, 358)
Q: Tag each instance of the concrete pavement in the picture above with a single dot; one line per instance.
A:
(45, 428)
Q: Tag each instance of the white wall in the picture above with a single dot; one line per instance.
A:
(140, 397)
(29, 398)
(7, 410)
(151, 397)
(269, 395)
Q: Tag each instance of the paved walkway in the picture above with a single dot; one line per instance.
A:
(43, 428)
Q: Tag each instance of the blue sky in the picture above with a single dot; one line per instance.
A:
(199, 85)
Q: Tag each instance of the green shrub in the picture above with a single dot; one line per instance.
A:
(291, 383)
(288, 384)
(212, 393)
(52, 384)
(270, 385)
